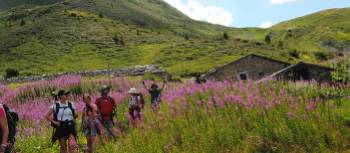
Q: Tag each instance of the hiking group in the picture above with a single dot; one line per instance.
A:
(98, 118)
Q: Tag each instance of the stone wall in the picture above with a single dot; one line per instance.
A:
(129, 71)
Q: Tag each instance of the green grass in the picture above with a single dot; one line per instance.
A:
(217, 117)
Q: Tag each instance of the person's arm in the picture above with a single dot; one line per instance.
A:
(164, 83)
(49, 117)
(144, 85)
(83, 114)
(5, 130)
(76, 113)
(114, 104)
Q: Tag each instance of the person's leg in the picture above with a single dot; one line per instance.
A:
(73, 146)
(92, 142)
(110, 129)
(89, 144)
(63, 145)
(138, 111)
(131, 113)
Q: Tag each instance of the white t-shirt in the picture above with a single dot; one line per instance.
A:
(64, 112)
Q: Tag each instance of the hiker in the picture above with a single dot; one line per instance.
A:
(91, 125)
(8, 125)
(155, 93)
(135, 104)
(107, 108)
(4, 130)
(62, 116)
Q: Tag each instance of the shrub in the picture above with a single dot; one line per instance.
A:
(122, 41)
(100, 15)
(116, 39)
(281, 44)
(73, 15)
(322, 56)
(23, 22)
(268, 39)
(341, 73)
(11, 73)
(226, 36)
(186, 37)
(294, 53)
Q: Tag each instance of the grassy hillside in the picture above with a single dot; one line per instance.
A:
(323, 31)
(95, 34)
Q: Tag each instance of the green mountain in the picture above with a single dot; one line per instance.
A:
(323, 31)
(53, 36)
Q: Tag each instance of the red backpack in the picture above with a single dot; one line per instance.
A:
(106, 106)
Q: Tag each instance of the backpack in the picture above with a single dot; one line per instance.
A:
(106, 106)
(55, 113)
(12, 121)
(135, 101)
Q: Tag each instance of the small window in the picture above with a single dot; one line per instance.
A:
(243, 76)
(261, 74)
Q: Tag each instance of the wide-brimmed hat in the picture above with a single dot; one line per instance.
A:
(133, 91)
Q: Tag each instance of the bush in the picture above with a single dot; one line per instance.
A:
(281, 44)
(23, 22)
(323, 56)
(268, 39)
(73, 15)
(294, 53)
(186, 37)
(226, 36)
(11, 73)
(341, 73)
(116, 39)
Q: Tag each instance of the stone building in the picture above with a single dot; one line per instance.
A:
(256, 67)
(251, 67)
(304, 71)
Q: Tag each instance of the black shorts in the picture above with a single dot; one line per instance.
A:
(65, 130)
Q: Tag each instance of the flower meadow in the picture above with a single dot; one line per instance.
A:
(215, 117)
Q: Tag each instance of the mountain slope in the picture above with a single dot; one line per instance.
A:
(74, 35)
(82, 34)
(323, 31)
(7, 4)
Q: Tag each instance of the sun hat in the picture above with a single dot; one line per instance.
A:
(105, 88)
(133, 91)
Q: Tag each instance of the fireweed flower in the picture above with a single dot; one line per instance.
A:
(218, 101)
(28, 132)
(310, 106)
(291, 115)
(250, 101)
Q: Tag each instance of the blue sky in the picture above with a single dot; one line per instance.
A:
(252, 13)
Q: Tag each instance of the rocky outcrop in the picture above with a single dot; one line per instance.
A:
(129, 71)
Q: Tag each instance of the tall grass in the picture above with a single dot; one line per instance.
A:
(213, 117)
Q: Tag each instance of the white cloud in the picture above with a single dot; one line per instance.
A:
(281, 1)
(266, 24)
(198, 11)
